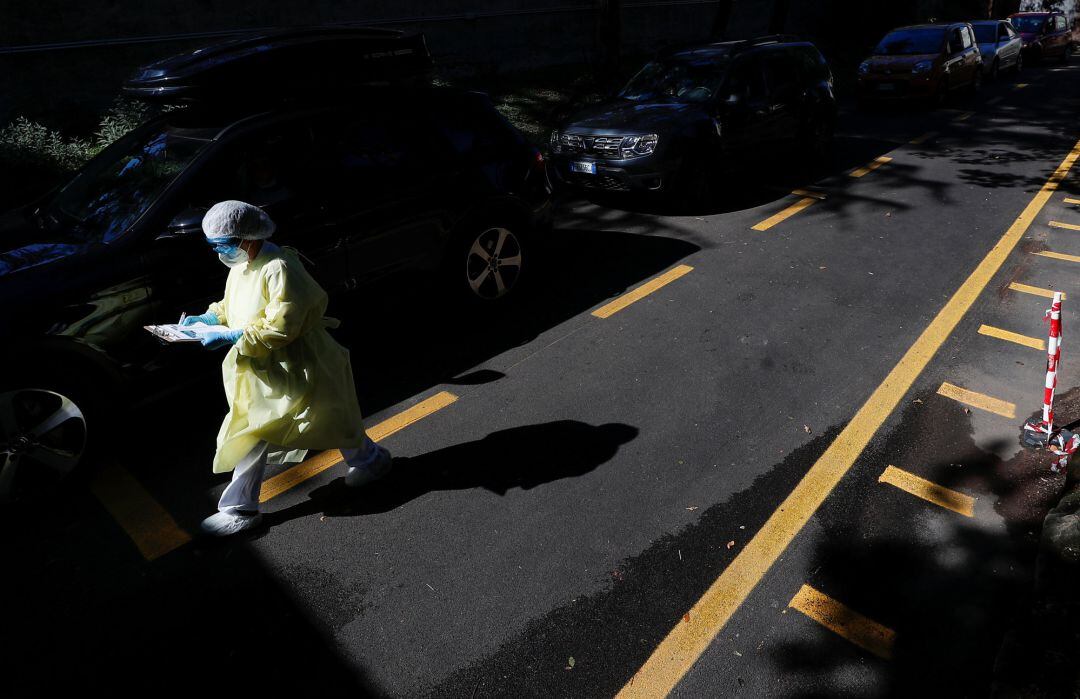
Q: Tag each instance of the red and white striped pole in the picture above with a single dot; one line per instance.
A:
(1053, 360)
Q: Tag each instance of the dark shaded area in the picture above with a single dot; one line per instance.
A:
(521, 457)
(611, 633)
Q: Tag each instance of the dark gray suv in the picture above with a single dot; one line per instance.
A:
(692, 111)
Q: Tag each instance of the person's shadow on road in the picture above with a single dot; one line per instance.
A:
(520, 457)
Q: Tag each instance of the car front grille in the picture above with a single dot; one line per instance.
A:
(604, 146)
(601, 181)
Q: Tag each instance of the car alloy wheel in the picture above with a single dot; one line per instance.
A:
(42, 438)
(493, 264)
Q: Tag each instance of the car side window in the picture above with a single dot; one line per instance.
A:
(781, 73)
(956, 41)
(965, 34)
(747, 80)
(368, 157)
(1059, 23)
(1003, 31)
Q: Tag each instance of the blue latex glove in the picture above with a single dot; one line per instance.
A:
(207, 318)
(221, 339)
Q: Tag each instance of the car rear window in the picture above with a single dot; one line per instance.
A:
(911, 42)
(1029, 25)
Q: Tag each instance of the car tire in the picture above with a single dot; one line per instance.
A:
(995, 70)
(1064, 56)
(691, 185)
(1019, 67)
(489, 262)
(818, 137)
(976, 83)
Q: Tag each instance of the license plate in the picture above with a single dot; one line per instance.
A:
(886, 87)
(585, 167)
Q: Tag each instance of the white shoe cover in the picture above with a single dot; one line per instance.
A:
(358, 476)
(228, 523)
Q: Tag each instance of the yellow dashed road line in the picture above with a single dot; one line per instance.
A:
(286, 480)
(1059, 256)
(610, 309)
(929, 491)
(919, 140)
(685, 643)
(964, 116)
(870, 167)
(978, 400)
(1069, 200)
(784, 215)
(1020, 86)
(153, 530)
(845, 622)
(1033, 290)
(1066, 226)
(1032, 342)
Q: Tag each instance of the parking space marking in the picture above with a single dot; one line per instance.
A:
(610, 309)
(286, 480)
(1066, 226)
(977, 400)
(929, 491)
(1008, 336)
(1058, 256)
(964, 116)
(919, 140)
(783, 215)
(845, 622)
(150, 526)
(1033, 290)
(871, 166)
(1069, 200)
(695, 631)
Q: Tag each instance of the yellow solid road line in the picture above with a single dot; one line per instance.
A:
(1059, 256)
(844, 622)
(286, 480)
(1069, 200)
(642, 291)
(681, 648)
(977, 400)
(1033, 290)
(964, 116)
(784, 215)
(919, 140)
(1026, 341)
(1066, 226)
(870, 167)
(929, 491)
(153, 530)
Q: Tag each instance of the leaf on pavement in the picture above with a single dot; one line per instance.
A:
(731, 544)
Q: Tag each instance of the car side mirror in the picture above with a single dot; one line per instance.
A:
(734, 99)
(186, 223)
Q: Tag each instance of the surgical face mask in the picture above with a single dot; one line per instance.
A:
(230, 253)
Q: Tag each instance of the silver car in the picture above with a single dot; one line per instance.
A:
(999, 44)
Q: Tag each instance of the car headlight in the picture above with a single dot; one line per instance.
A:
(635, 146)
(922, 67)
(864, 67)
(553, 143)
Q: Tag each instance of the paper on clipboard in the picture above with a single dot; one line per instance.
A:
(186, 333)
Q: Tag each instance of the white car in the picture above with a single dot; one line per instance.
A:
(1000, 45)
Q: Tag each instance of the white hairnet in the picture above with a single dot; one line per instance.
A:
(235, 219)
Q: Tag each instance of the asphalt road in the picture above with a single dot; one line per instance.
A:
(543, 533)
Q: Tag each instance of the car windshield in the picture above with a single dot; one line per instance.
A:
(678, 80)
(1029, 25)
(986, 33)
(911, 42)
(117, 186)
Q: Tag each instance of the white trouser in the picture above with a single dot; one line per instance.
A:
(242, 493)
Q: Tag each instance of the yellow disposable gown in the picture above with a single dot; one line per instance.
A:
(287, 381)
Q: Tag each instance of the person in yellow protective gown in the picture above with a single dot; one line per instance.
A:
(288, 383)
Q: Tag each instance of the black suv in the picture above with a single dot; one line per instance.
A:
(694, 109)
(390, 181)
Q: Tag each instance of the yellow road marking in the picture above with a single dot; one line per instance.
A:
(964, 116)
(784, 215)
(919, 140)
(871, 166)
(1020, 86)
(1069, 200)
(153, 530)
(1059, 256)
(286, 480)
(845, 622)
(685, 643)
(1066, 226)
(1034, 290)
(642, 291)
(1026, 341)
(809, 193)
(977, 400)
(929, 491)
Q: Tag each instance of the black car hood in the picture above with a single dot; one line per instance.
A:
(24, 245)
(627, 117)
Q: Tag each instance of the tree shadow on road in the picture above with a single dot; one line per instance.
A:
(521, 457)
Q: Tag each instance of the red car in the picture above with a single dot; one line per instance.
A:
(1046, 35)
(922, 61)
